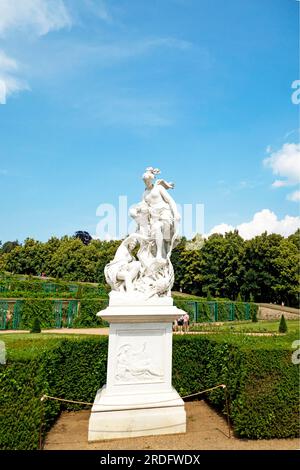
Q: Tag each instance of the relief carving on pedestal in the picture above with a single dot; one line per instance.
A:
(136, 365)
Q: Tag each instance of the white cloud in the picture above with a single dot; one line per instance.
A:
(7, 64)
(295, 196)
(38, 16)
(222, 229)
(279, 184)
(33, 16)
(9, 81)
(286, 163)
(262, 221)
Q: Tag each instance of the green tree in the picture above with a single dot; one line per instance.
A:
(191, 280)
(258, 273)
(286, 268)
(220, 267)
(7, 247)
(74, 261)
(85, 237)
(295, 239)
(282, 325)
(264, 269)
(36, 327)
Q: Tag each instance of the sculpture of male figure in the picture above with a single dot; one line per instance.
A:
(124, 268)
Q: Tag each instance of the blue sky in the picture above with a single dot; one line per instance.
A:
(97, 90)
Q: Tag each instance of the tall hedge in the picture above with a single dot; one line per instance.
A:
(44, 311)
(16, 286)
(262, 382)
(217, 310)
(71, 369)
(86, 317)
(35, 308)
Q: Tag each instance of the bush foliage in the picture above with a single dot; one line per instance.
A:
(15, 286)
(262, 382)
(217, 310)
(36, 327)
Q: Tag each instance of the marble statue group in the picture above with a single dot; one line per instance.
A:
(138, 398)
(147, 273)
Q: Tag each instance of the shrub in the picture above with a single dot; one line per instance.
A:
(41, 309)
(36, 327)
(209, 311)
(262, 382)
(36, 295)
(86, 317)
(22, 286)
(253, 312)
(282, 325)
(72, 369)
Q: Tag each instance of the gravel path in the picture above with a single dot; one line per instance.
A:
(206, 430)
(66, 331)
(105, 331)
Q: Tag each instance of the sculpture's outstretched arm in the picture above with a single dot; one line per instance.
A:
(166, 184)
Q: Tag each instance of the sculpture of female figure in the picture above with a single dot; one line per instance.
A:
(163, 213)
(124, 268)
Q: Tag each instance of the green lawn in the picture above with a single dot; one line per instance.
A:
(236, 333)
(26, 345)
(262, 326)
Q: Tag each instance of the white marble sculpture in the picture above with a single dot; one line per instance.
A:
(138, 398)
(157, 218)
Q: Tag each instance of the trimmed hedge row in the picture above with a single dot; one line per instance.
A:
(44, 311)
(12, 285)
(87, 315)
(71, 369)
(207, 311)
(40, 309)
(20, 294)
(262, 383)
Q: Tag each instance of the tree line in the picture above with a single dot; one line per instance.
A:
(263, 269)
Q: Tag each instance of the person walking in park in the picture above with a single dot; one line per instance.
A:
(186, 322)
(180, 324)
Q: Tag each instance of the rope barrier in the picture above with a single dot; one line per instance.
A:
(49, 397)
(44, 397)
(204, 391)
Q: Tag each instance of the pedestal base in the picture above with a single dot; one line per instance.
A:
(119, 416)
(138, 399)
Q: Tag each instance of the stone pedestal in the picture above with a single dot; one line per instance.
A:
(138, 398)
